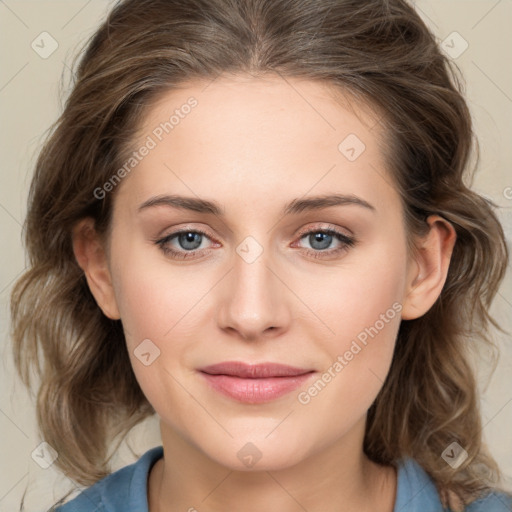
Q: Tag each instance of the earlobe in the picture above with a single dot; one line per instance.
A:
(429, 268)
(91, 257)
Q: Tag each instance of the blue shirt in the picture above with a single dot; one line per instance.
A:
(125, 490)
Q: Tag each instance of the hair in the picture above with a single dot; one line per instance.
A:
(382, 54)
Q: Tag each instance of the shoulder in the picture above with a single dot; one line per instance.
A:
(124, 490)
(416, 492)
(492, 502)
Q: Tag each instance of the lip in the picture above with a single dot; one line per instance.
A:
(254, 384)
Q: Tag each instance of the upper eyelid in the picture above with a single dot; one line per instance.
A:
(325, 227)
(301, 234)
(346, 241)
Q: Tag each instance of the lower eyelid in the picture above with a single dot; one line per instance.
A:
(345, 240)
(341, 237)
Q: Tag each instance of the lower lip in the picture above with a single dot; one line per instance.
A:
(255, 391)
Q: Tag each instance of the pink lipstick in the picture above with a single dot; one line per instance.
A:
(254, 384)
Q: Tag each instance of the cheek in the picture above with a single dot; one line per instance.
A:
(372, 305)
(162, 312)
(147, 305)
(155, 299)
(155, 304)
(362, 305)
(361, 297)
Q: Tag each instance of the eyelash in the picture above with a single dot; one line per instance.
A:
(347, 242)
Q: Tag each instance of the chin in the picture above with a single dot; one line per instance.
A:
(258, 455)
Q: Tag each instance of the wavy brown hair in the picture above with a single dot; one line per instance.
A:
(378, 51)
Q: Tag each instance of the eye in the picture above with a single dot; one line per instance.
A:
(188, 242)
(321, 240)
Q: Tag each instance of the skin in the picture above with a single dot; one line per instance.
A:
(253, 145)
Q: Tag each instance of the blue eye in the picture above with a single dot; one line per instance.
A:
(321, 239)
(189, 242)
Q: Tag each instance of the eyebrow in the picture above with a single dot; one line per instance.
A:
(293, 207)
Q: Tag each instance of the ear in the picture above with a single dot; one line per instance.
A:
(92, 259)
(429, 269)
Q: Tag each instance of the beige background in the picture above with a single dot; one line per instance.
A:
(30, 102)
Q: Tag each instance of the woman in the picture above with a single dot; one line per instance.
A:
(251, 220)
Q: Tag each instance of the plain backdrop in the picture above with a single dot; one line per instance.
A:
(30, 101)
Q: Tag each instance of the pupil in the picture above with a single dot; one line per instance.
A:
(323, 238)
(190, 238)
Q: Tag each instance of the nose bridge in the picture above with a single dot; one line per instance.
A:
(254, 298)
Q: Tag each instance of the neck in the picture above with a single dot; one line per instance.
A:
(338, 478)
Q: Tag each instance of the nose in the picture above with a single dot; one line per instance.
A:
(254, 299)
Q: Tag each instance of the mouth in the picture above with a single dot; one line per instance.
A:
(254, 384)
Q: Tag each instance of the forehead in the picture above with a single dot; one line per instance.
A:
(240, 101)
(246, 136)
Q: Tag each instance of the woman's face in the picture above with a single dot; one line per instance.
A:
(265, 283)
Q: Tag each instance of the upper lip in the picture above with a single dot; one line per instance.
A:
(253, 371)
